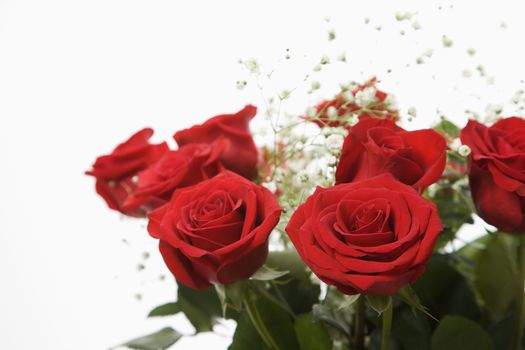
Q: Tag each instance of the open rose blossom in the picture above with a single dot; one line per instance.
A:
(497, 171)
(241, 153)
(372, 236)
(376, 104)
(377, 146)
(216, 231)
(115, 173)
(190, 164)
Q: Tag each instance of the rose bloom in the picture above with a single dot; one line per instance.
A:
(377, 146)
(373, 236)
(378, 109)
(241, 154)
(497, 171)
(116, 173)
(216, 231)
(190, 164)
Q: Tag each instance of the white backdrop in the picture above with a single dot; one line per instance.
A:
(77, 77)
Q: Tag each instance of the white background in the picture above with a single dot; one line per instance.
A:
(77, 77)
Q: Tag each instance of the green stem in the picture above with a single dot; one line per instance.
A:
(257, 322)
(359, 336)
(520, 298)
(387, 326)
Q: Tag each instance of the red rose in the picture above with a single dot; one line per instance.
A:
(372, 236)
(216, 231)
(190, 164)
(497, 171)
(241, 154)
(376, 146)
(115, 172)
(378, 109)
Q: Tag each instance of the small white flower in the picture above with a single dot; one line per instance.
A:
(464, 150)
(285, 94)
(331, 112)
(341, 57)
(403, 16)
(455, 144)
(412, 112)
(365, 97)
(416, 25)
(315, 85)
(466, 73)
(252, 65)
(344, 86)
(348, 96)
(494, 109)
(327, 131)
(334, 142)
(311, 112)
(300, 179)
(391, 103)
(353, 121)
(317, 68)
(447, 42)
(325, 60)
(241, 84)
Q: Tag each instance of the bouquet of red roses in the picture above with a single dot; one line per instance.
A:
(335, 234)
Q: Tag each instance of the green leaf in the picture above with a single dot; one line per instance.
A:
(201, 307)
(165, 310)
(496, 277)
(288, 260)
(231, 297)
(311, 334)
(447, 128)
(324, 314)
(266, 273)
(454, 208)
(246, 336)
(300, 293)
(160, 340)
(444, 291)
(409, 296)
(379, 303)
(348, 301)
(472, 249)
(273, 323)
(411, 330)
(459, 333)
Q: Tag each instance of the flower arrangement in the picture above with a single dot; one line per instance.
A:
(335, 232)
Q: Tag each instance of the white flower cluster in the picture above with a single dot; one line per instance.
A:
(365, 97)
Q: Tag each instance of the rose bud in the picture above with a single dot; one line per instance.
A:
(190, 164)
(116, 173)
(497, 171)
(241, 154)
(377, 146)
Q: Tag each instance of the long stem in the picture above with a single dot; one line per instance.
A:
(359, 336)
(520, 298)
(257, 322)
(387, 326)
